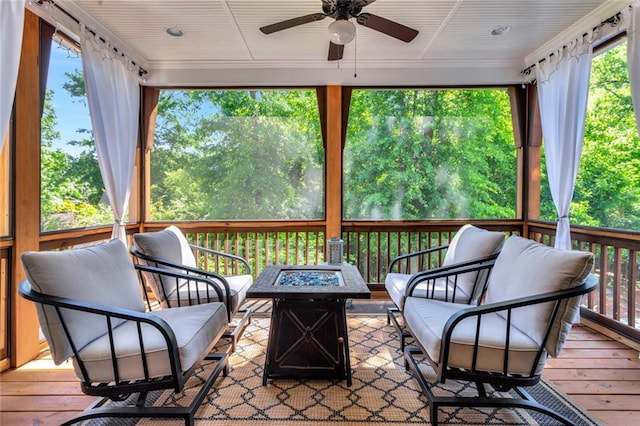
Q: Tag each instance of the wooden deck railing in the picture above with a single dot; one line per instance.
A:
(616, 263)
(372, 245)
(262, 248)
(369, 245)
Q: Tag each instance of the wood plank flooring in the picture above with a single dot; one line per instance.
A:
(600, 374)
(597, 372)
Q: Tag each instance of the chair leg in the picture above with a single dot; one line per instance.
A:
(235, 333)
(402, 332)
(526, 401)
(140, 410)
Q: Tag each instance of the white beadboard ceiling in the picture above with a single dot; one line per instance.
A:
(223, 46)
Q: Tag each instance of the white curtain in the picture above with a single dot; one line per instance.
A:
(11, 24)
(633, 58)
(113, 93)
(563, 88)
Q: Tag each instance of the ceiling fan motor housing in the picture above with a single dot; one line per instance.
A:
(341, 9)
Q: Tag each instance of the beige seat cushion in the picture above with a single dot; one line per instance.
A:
(102, 274)
(426, 319)
(396, 285)
(195, 327)
(190, 294)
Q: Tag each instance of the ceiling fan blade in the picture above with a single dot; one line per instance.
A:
(335, 51)
(289, 23)
(362, 3)
(387, 27)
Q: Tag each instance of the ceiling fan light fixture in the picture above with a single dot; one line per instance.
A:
(341, 31)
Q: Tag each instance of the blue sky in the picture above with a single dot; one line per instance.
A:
(70, 112)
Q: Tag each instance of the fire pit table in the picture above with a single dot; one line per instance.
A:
(308, 332)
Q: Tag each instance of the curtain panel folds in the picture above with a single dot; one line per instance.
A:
(11, 26)
(113, 93)
(563, 88)
(633, 58)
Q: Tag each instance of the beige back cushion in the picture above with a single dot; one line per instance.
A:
(469, 243)
(101, 274)
(525, 268)
(171, 245)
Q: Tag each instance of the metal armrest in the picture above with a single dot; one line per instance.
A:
(201, 277)
(556, 297)
(229, 256)
(451, 272)
(415, 254)
(189, 273)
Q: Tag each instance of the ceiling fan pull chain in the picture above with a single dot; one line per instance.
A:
(355, 57)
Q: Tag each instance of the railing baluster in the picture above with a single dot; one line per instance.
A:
(378, 258)
(631, 287)
(604, 274)
(617, 273)
(592, 296)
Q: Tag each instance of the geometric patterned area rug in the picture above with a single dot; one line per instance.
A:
(382, 391)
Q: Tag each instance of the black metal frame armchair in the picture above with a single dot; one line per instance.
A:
(430, 284)
(493, 344)
(170, 249)
(470, 246)
(117, 348)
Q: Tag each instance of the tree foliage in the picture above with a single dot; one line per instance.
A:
(71, 187)
(410, 154)
(237, 155)
(607, 192)
(419, 154)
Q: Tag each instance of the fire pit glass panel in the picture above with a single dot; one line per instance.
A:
(309, 279)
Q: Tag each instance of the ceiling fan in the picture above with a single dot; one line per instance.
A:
(342, 30)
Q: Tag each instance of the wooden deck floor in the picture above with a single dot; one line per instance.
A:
(599, 373)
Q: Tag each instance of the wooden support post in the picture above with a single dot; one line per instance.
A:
(333, 166)
(25, 340)
(534, 147)
(150, 96)
(527, 131)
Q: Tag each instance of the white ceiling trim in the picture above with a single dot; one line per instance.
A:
(305, 77)
(348, 64)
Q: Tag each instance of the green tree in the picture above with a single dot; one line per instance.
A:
(418, 154)
(237, 155)
(71, 185)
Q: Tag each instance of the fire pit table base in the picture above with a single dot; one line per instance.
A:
(308, 332)
(308, 339)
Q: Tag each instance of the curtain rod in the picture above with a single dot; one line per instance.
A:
(141, 70)
(613, 21)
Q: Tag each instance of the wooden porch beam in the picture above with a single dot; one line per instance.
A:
(333, 165)
(533, 148)
(150, 97)
(527, 130)
(26, 215)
